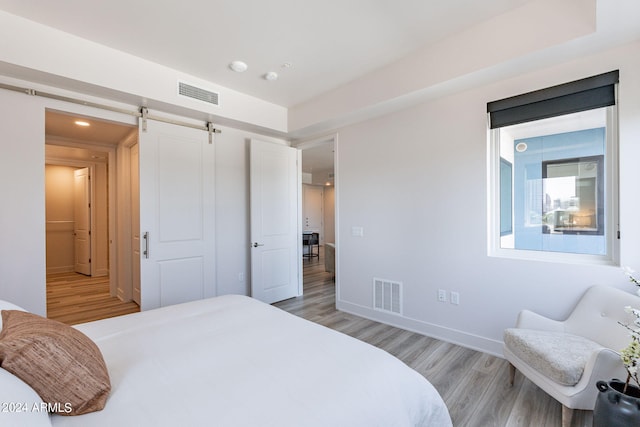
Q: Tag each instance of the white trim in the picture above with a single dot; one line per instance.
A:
(312, 143)
(336, 213)
(315, 142)
(454, 336)
(299, 222)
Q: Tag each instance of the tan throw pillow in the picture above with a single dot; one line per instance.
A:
(59, 362)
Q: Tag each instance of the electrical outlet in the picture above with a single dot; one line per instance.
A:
(455, 298)
(442, 295)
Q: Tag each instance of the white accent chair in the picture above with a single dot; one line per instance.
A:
(567, 358)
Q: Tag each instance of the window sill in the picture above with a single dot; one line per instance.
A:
(557, 257)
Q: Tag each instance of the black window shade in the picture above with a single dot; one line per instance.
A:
(580, 95)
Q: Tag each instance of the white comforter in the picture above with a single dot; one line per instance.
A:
(234, 361)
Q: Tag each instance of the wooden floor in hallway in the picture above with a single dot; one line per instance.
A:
(74, 298)
(474, 385)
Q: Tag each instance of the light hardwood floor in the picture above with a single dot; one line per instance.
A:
(73, 298)
(474, 385)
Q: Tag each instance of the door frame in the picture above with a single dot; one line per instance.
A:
(123, 256)
(312, 143)
(119, 225)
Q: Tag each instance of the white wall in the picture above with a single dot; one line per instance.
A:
(99, 67)
(59, 200)
(22, 187)
(22, 217)
(451, 60)
(100, 218)
(422, 202)
(329, 214)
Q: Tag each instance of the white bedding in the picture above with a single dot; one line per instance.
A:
(234, 361)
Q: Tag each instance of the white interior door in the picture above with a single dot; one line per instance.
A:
(275, 239)
(82, 221)
(176, 215)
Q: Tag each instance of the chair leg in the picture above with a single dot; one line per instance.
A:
(512, 374)
(567, 415)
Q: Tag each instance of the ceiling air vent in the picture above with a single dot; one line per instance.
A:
(194, 92)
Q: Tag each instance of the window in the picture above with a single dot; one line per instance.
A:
(573, 196)
(506, 203)
(552, 171)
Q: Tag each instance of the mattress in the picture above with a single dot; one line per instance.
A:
(235, 361)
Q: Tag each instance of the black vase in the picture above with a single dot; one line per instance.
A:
(615, 408)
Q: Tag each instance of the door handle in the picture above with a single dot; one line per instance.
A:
(256, 244)
(146, 244)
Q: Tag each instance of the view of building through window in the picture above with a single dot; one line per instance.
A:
(554, 192)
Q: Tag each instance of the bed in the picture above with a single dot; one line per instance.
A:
(235, 361)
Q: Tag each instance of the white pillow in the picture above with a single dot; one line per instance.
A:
(20, 405)
(6, 305)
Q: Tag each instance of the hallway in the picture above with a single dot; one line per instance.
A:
(73, 298)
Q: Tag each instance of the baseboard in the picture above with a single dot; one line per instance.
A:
(442, 333)
(63, 269)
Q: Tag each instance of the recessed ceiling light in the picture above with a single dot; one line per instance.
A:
(82, 123)
(287, 65)
(238, 66)
(271, 76)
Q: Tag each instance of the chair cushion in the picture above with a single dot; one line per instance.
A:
(559, 356)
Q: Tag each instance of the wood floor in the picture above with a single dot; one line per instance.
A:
(474, 385)
(73, 298)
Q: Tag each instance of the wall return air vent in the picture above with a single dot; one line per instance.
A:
(387, 296)
(189, 91)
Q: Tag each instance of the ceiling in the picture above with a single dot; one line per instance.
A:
(324, 44)
(65, 138)
(64, 125)
(327, 43)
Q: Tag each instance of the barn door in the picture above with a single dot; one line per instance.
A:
(176, 215)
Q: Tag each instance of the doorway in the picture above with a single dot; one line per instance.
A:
(81, 234)
(319, 209)
(69, 220)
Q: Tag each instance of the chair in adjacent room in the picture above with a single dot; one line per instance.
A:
(310, 241)
(567, 358)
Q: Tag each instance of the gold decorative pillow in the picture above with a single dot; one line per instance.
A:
(59, 362)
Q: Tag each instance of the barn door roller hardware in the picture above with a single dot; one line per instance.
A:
(142, 112)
